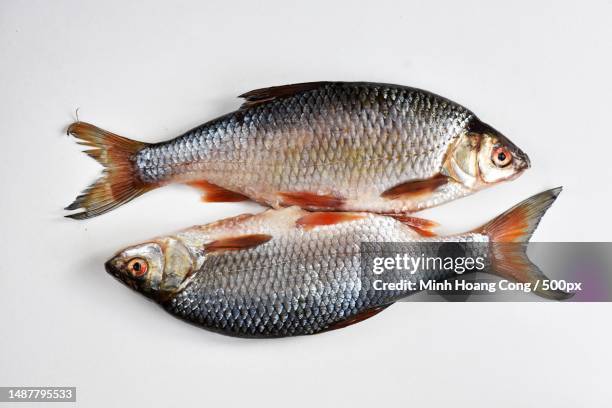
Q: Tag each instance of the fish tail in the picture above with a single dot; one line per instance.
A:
(509, 234)
(119, 182)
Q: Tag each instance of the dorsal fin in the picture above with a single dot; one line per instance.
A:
(359, 317)
(259, 96)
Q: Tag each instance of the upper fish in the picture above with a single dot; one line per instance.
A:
(290, 272)
(332, 146)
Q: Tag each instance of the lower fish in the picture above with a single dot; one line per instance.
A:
(291, 272)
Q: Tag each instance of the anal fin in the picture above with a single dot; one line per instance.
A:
(422, 226)
(215, 194)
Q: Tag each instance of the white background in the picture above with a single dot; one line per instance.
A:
(537, 71)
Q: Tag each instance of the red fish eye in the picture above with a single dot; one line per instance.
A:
(137, 267)
(501, 157)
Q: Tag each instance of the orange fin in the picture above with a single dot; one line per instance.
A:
(119, 182)
(215, 194)
(509, 234)
(423, 232)
(315, 219)
(305, 199)
(518, 223)
(422, 226)
(416, 187)
(359, 317)
(259, 96)
(237, 243)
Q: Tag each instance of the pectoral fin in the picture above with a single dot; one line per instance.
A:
(316, 219)
(415, 188)
(237, 243)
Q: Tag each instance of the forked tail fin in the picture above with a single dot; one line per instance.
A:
(509, 234)
(119, 182)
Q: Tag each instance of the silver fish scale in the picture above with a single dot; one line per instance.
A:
(300, 282)
(341, 138)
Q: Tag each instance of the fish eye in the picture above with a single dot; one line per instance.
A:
(501, 157)
(137, 267)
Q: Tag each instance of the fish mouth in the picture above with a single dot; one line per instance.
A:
(115, 272)
(523, 163)
(518, 173)
(111, 268)
(526, 163)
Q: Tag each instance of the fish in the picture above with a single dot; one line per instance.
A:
(323, 146)
(288, 272)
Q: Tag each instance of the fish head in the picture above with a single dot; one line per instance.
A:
(156, 268)
(482, 156)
